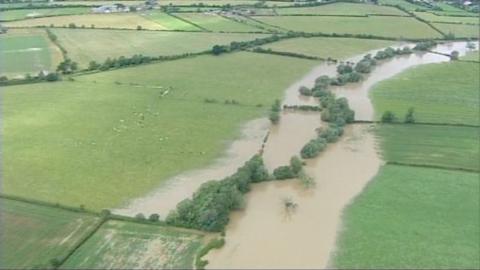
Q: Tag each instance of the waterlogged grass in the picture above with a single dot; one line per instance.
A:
(125, 245)
(24, 52)
(384, 26)
(445, 146)
(18, 14)
(413, 218)
(440, 93)
(129, 130)
(459, 30)
(217, 23)
(110, 43)
(31, 235)
(343, 9)
(337, 48)
(448, 19)
(117, 20)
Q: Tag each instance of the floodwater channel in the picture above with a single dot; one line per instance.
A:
(264, 234)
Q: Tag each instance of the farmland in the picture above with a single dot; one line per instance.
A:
(18, 14)
(413, 218)
(137, 127)
(328, 47)
(447, 19)
(444, 146)
(415, 88)
(216, 23)
(459, 30)
(379, 26)
(33, 235)
(343, 9)
(26, 51)
(126, 245)
(109, 43)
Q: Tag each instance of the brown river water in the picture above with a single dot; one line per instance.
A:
(264, 235)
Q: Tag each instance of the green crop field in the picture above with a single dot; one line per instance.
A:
(112, 43)
(445, 146)
(217, 23)
(18, 14)
(32, 235)
(472, 56)
(447, 19)
(125, 245)
(123, 127)
(169, 22)
(122, 21)
(440, 93)
(23, 52)
(343, 9)
(413, 218)
(377, 25)
(459, 30)
(404, 4)
(337, 48)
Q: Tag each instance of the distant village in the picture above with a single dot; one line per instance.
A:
(118, 7)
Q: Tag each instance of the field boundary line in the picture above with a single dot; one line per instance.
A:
(416, 123)
(189, 22)
(430, 166)
(244, 23)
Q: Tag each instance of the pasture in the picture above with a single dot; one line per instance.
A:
(404, 4)
(126, 245)
(138, 125)
(445, 146)
(343, 9)
(384, 26)
(459, 30)
(447, 19)
(112, 43)
(440, 93)
(114, 21)
(19, 14)
(169, 22)
(337, 48)
(32, 235)
(472, 56)
(413, 218)
(217, 23)
(25, 51)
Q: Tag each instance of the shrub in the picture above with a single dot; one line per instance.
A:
(140, 216)
(283, 172)
(296, 164)
(344, 68)
(388, 117)
(154, 217)
(313, 148)
(305, 91)
(410, 117)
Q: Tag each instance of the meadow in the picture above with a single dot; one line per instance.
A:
(114, 43)
(337, 48)
(19, 14)
(217, 23)
(119, 21)
(472, 56)
(444, 146)
(132, 127)
(384, 26)
(447, 19)
(343, 9)
(126, 245)
(459, 30)
(440, 93)
(27, 51)
(413, 218)
(32, 235)
(402, 3)
(168, 21)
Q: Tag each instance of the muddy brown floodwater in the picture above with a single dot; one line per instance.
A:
(264, 235)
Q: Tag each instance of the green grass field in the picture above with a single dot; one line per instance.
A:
(122, 21)
(459, 30)
(413, 218)
(217, 23)
(472, 56)
(337, 48)
(23, 52)
(343, 9)
(119, 134)
(169, 22)
(125, 245)
(448, 19)
(404, 4)
(446, 146)
(380, 26)
(18, 14)
(111, 43)
(32, 235)
(440, 93)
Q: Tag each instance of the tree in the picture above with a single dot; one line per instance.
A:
(218, 49)
(313, 148)
(274, 117)
(154, 217)
(72, 25)
(296, 164)
(93, 65)
(283, 172)
(140, 216)
(454, 55)
(139, 27)
(410, 117)
(344, 68)
(305, 91)
(388, 117)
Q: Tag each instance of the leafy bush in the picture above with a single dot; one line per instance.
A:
(283, 172)
(388, 117)
(313, 148)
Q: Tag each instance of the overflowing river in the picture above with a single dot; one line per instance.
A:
(264, 235)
